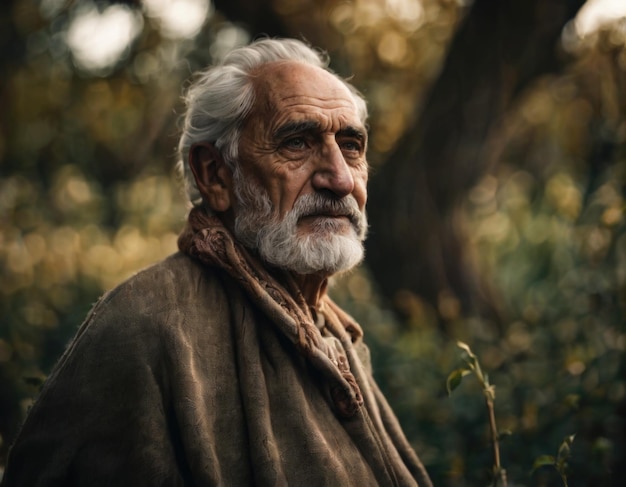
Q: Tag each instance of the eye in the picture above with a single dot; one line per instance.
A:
(295, 143)
(351, 146)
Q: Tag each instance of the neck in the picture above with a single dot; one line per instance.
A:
(312, 286)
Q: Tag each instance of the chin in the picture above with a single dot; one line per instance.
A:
(325, 228)
(314, 253)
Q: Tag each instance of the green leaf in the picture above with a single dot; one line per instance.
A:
(542, 461)
(564, 449)
(454, 379)
(504, 434)
(465, 347)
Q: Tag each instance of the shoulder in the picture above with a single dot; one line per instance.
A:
(175, 283)
(144, 323)
(157, 303)
(173, 279)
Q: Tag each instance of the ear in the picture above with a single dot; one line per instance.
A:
(212, 175)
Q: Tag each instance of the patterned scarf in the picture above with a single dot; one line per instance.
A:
(206, 239)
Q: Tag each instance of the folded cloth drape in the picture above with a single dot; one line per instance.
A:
(207, 369)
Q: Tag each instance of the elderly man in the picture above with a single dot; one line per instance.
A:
(227, 364)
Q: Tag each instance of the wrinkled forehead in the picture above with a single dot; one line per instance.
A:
(285, 84)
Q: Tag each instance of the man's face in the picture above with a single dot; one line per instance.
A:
(303, 171)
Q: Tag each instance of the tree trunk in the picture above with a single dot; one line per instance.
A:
(415, 244)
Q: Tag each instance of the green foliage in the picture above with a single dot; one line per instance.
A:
(489, 391)
(88, 196)
(455, 378)
(560, 461)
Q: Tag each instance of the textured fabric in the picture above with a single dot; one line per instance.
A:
(212, 374)
(206, 239)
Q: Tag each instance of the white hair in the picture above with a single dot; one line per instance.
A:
(222, 96)
(278, 241)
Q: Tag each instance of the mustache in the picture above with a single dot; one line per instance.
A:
(317, 204)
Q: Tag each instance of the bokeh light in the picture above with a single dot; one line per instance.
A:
(178, 19)
(88, 196)
(596, 14)
(98, 39)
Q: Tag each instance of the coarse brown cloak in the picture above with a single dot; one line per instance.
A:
(209, 371)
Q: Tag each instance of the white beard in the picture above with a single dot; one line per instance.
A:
(278, 242)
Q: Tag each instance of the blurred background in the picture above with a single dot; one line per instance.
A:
(498, 133)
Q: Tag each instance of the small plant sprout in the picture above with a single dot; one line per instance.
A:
(560, 461)
(489, 391)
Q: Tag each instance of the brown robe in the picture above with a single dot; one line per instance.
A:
(182, 376)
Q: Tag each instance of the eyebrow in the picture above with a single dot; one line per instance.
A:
(304, 126)
(292, 128)
(351, 131)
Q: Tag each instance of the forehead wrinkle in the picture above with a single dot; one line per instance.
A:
(334, 102)
(282, 96)
(282, 89)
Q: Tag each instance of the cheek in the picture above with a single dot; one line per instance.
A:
(293, 188)
(283, 188)
(360, 189)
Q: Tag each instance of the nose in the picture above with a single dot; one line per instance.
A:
(333, 172)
